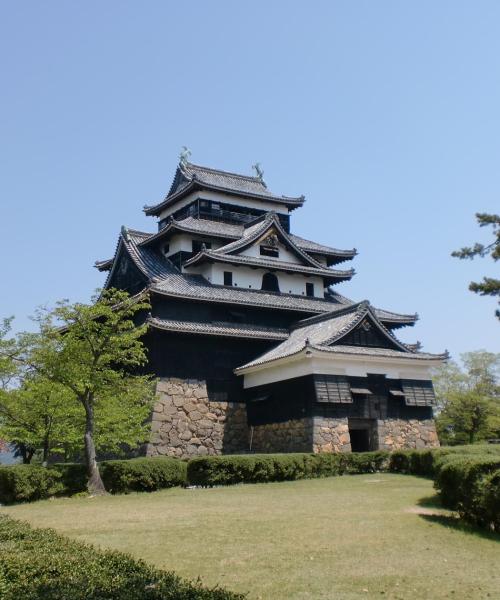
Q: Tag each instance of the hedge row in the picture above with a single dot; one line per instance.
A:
(467, 478)
(25, 483)
(262, 468)
(39, 564)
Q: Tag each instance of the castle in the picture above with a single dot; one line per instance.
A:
(253, 347)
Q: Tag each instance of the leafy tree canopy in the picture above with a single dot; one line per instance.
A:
(80, 386)
(468, 396)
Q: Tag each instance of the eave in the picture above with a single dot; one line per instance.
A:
(219, 329)
(329, 275)
(195, 184)
(308, 352)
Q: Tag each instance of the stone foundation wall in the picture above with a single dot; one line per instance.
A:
(396, 434)
(330, 435)
(290, 436)
(185, 423)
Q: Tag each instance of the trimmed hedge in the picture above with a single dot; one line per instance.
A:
(25, 483)
(73, 477)
(471, 486)
(427, 462)
(39, 564)
(143, 474)
(262, 468)
(467, 478)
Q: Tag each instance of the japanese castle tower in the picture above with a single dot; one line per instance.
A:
(254, 348)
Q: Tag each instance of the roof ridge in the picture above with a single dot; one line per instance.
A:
(231, 173)
(343, 310)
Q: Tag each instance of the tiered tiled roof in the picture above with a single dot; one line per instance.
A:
(190, 177)
(165, 279)
(231, 231)
(220, 329)
(268, 263)
(322, 333)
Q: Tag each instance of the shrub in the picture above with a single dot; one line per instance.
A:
(365, 462)
(73, 477)
(39, 564)
(143, 474)
(456, 479)
(263, 468)
(25, 483)
(489, 499)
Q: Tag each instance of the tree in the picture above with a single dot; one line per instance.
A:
(468, 398)
(94, 352)
(489, 285)
(40, 415)
(9, 351)
(466, 416)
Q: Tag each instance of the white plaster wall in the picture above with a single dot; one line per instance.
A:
(285, 254)
(247, 278)
(356, 366)
(227, 199)
(184, 242)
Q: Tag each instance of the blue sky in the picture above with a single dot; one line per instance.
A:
(384, 114)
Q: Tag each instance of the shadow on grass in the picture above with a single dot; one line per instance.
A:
(454, 522)
(433, 501)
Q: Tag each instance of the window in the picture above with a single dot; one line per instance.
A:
(270, 283)
(166, 248)
(228, 278)
(309, 289)
(197, 244)
(269, 251)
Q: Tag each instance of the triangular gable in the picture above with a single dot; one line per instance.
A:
(180, 181)
(124, 273)
(367, 331)
(269, 230)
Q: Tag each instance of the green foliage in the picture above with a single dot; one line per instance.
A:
(73, 477)
(467, 416)
(467, 477)
(94, 352)
(468, 398)
(9, 351)
(40, 415)
(143, 474)
(263, 468)
(471, 485)
(26, 483)
(39, 564)
(489, 286)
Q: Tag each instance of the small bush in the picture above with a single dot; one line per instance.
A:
(39, 564)
(365, 462)
(73, 477)
(489, 499)
(143, 474)
(25, 483)
(456, 478)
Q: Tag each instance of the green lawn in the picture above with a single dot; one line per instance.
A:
(364, 536)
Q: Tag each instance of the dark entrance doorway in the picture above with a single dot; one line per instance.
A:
(363, 434)
(360, 440)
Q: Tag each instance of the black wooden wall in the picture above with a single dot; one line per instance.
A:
(296, 398)
(203, 357)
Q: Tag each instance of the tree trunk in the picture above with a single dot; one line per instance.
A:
(26, 453)
(46, 443)
(95, 485)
